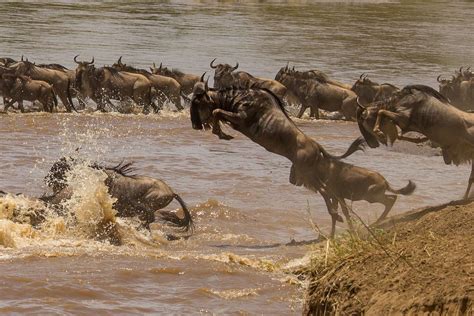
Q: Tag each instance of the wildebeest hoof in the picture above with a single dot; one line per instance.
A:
(225, 136)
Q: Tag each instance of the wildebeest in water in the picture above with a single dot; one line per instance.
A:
(422, 109)
(136, 195)
(259, 114)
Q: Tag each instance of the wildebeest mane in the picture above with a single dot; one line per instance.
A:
(177, 72)
(128, 68)
(425, 89)
(123, 168)
(53, 66)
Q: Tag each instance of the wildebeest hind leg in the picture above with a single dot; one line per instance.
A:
(345, 211)
(331, 210)
(388, 201)
(471, 180)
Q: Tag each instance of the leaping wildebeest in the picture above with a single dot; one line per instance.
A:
(422, 109)
(105, 83)
(58, 79)
(136, 195)
(260, 115)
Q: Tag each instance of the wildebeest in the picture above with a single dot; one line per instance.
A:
(226, 77)
(459, 89)
(6, 61)
(316, 91)
(136, 195)
(105, 83)
(58, 79)
(166, 85)
(187, 81)
(259, 114)
(370, 91)
(421, 109)
(22, 88)
(75, 93)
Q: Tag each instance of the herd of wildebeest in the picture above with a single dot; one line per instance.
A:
(257, 107)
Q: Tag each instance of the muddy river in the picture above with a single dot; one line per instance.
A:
(244, 208)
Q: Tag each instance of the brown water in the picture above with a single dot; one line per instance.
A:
(238, 192)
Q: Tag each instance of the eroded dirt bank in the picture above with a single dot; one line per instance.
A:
(429, 269)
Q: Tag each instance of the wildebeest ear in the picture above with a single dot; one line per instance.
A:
(369, 137)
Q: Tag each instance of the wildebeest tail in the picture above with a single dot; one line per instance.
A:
(69, 98)
(356, 145)
(407, 190)
(186, 222)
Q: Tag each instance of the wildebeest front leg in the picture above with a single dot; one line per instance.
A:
(345, 211)
(396, 118)
(331, 210)
(471, 180)
(231, 117)
(216, 130)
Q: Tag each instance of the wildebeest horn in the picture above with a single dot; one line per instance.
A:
(460, 69)
(202, 77)
(207, 85)
(154, 66)
(360, 105)
(75, 59)
(236, 66)
(119, 61)
(287, 65)
(437, 79)
(161, 65)
(212, 64)
(92, 61)
(361, 75)
(21, 57)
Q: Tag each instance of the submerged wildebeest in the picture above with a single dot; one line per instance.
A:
(187, 81)
(422, 109)
(58, 79)
(136, 195)
(22, 88)
(106, 83)
(315, 91)
(225, 77)
(369, 91)
(160, 84)
(259, 114)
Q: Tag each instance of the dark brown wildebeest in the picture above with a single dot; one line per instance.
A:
(58, 79)
(369, 91)
(259, 114)
(166, 85)
(22, 88)
(422, 109)
(136, 195)
(6, 61)
(105, 83)
(187, 81)
(225, 77)
(315, 91)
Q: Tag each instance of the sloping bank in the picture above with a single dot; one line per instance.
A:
(429, 268)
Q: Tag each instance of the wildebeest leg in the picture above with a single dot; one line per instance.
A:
(64, 100)
(388, 201)
(234, 118)
(302, 110)
(334, 216)
(397, 119)
(20, 105)
(345, 211)
(471, 180)
(413, 139)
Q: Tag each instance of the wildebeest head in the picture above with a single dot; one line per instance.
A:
(56, 177)
(22, 67)
(223, 74)
(447, 87)
(282, 72)
(84, 70)
(364, 88)
(201, 104)
(160, 70)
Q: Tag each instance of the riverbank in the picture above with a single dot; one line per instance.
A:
(421, 263)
